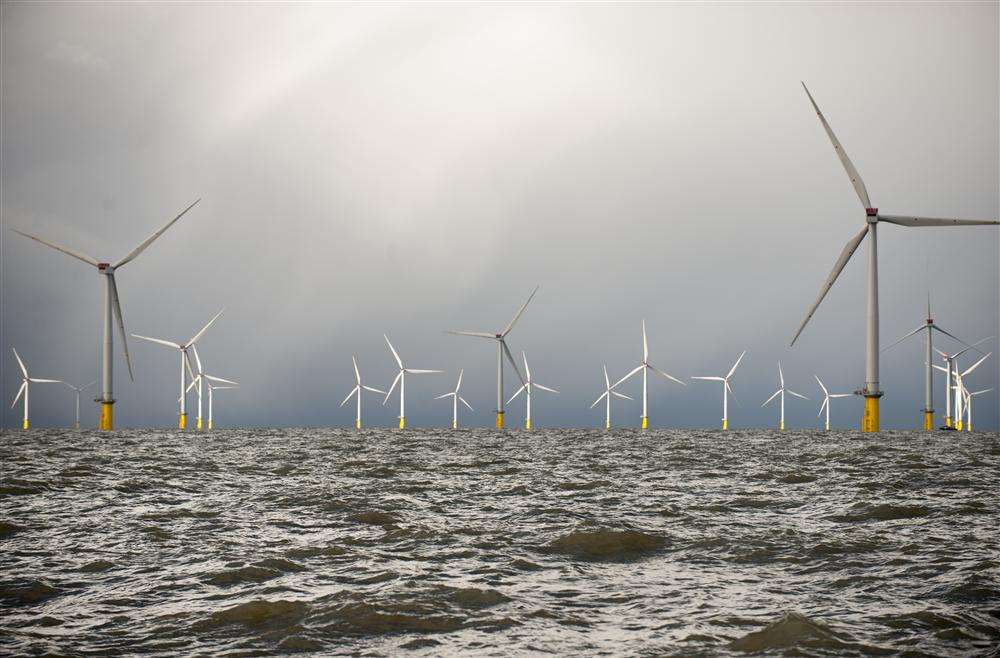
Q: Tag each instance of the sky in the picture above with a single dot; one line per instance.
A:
(408, 169)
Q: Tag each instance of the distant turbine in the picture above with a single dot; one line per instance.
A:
(526, 387)
(185, 364)
(606, 396)
(930, 328)
(111, 306)
(726, 389)
(968, 407)
(826, 401)
(645, 367)
(25, 381)
(871, 391)
(960, 386)
(502, 352)
(949, 377)
(358, 387)
(79, 389)
(200, 379)
(455, 399)
(211, 389)
(401, 380)
(781, 391)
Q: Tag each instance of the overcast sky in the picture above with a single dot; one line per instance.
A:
(411, 169)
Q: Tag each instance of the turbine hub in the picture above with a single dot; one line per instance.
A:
(104, 266)
(871, 214)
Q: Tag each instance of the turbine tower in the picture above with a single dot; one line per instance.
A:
(526, 387)
(826, 401)
(211, 389)
(78, 390)
(185, 364)
(968, 407)
(26, 382)
(112, 306)
(645, 366)
(606, 396)
(502, 353)
(871, 391)
(358, 387)
(781, 391)
(200, 379)
(456, 398)
(950, 359)
(726, 389)
(401, 380)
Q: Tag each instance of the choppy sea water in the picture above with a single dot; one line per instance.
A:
(572, 542)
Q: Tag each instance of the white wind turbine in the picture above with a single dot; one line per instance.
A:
(78, 390)
(606, 396)
(726, 389)
(645, 366)
(960, 388)
(456, 398)
(502, 352)
(200, 379)
(871, 391)
(968, 407)
(781, 391)
(185, 364)
(826, 401)
(112, 306)
(26, 382)
(526, 387)
(401, 380)
(211, 390)
(358, 388)
(950, 359)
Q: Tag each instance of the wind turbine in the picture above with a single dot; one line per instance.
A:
(949, 377)
(606, 396)
(502, 352)
(930, 328)
(960, 387)
(401, 380)
(185, 364)
(456, 398)
(826, 401)
(79, 389)
(112, 306)
(358, 387)
(781, 391)
(871, 391)
(968, 407)
(26, 381)
(526, 387)
(645, 367)
(726, 389)
(201, 378)
(211, 389)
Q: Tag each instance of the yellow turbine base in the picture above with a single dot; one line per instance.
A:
(870, 421)
(199, 423)
(76, 426)
(725, 423)
(25, 424)
(107, 416)
(182, 421)
(645, 422)
(968, 427)
(607, 425)
(499, 420)
(527, 423)
(928, 420)
(454, 424)
(209, 424)
(947, 421)
(781, 426)
(402, 423)
(357, 424)
(958, 424)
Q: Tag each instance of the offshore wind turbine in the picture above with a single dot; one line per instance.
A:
(401, 380)
(968, 407)
(358, 388)
(502, 352)
(960, 387)
(871, 391)
(950, 359)
(112, 306)
(185, 364)
(199, 380)
(726, 389)
(826, 401)
(606, 396)
(78, 390)
(781, 391)
(930, 328)
(526, 387)
(26, 382)
(645, 366)
(211, 389)
(456, 398)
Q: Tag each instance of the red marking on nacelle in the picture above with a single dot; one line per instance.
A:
(103, 266)
(871, 212)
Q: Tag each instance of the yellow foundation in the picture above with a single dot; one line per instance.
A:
(107, 416)
(725, 423)
(527, 423)
(199, 423)
(357, 424)
(645, 422)
(958, 424)
(209, 424)
(402, 423)
(182, 421)
(454, 424)
(928, 420)
(607, 426)
(968, 427)
(870, 422)
(25, 424)
(499, 420)
(76, 426)
(947, 421)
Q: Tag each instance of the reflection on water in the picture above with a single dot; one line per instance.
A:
(472, 542)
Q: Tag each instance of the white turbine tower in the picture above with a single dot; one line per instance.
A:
(26, 381)
(358, 388)
(949, 372)
(78, 390)
(826, 401)
(200, 379)
(502, 352)
(456, 398)
(871, 391)
(606, 396)
(112, 306)
(960, 388)
(401, 380)
(726, 389)
(185, 364)
(781, 391)
(645, 366)
(968, 407)
(211, 390)
(526, 387)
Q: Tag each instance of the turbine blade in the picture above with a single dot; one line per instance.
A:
(477, 334)
(736, 365)
(941, 368)
(620, 395)
(985, 390)
(845, 255)
(357, 373)
(714, 379)
(374, 390)
(24, 370)
(187, 364)
(852, 172)
(45, 381)
(194, 339)
(19, 392)
(527, 371)
(148, 241)
(781, 375)
(121, 324)
(826, 401)
(546, 388)
(523, 386)
(411, 371)
(197, 360)
(973, 346)
(459, 384)
(350, 395)
(510, 359)
(392, 388)
(671, 377)
(820, 382)
(776, 394)
(157, 340)
(732, 393)
(462, 400)
(910, 220)
(798, 395)
(841, 395)
(221, 380)
(607, 382)
(444, 395)
(90, 260)
(634, 370)
(520, 311)
(952, 336)
(645, 342)
(603, 395)
(394, 353)
(915, 331)
(193, 383)
(975, 365)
